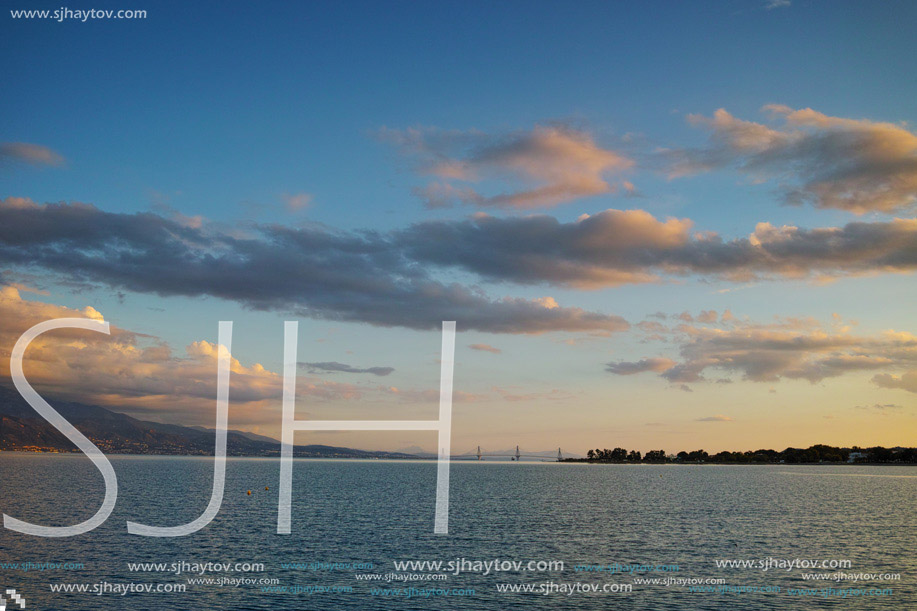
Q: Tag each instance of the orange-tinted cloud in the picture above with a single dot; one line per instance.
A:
(557, 164)
(139, 374)
(615, 247)
(858, 165)
(787, 349)
(716, 418)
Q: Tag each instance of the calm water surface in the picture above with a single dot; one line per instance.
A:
(379, 512)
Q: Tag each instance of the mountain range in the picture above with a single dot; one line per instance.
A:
(21, 428)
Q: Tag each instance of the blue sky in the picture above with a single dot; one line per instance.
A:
(225, 111)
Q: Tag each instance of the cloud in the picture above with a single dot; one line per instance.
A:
(857, 165)
(139, 374)
(615, 247)
(707, 316)
(881, 407)
(593, 251)
(333, 366)
(393, 279)
(651, 326)
(306, 271)
(297, 201)
(32, 154)
(907, 381)
(555, 164)
(772, 4)
(717, 418)
(625, 368)
(788, 349)
(485, 348)
(143, 376)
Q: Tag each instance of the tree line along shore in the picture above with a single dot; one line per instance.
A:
(815, 454)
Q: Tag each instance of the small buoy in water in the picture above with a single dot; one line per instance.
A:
(249, 492)
(266, 488)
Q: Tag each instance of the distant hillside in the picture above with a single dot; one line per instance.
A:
(247, 434)
(21, 428)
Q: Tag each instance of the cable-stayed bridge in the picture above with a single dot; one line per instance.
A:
(517, 455)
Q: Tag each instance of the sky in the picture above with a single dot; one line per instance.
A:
(657, 225)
